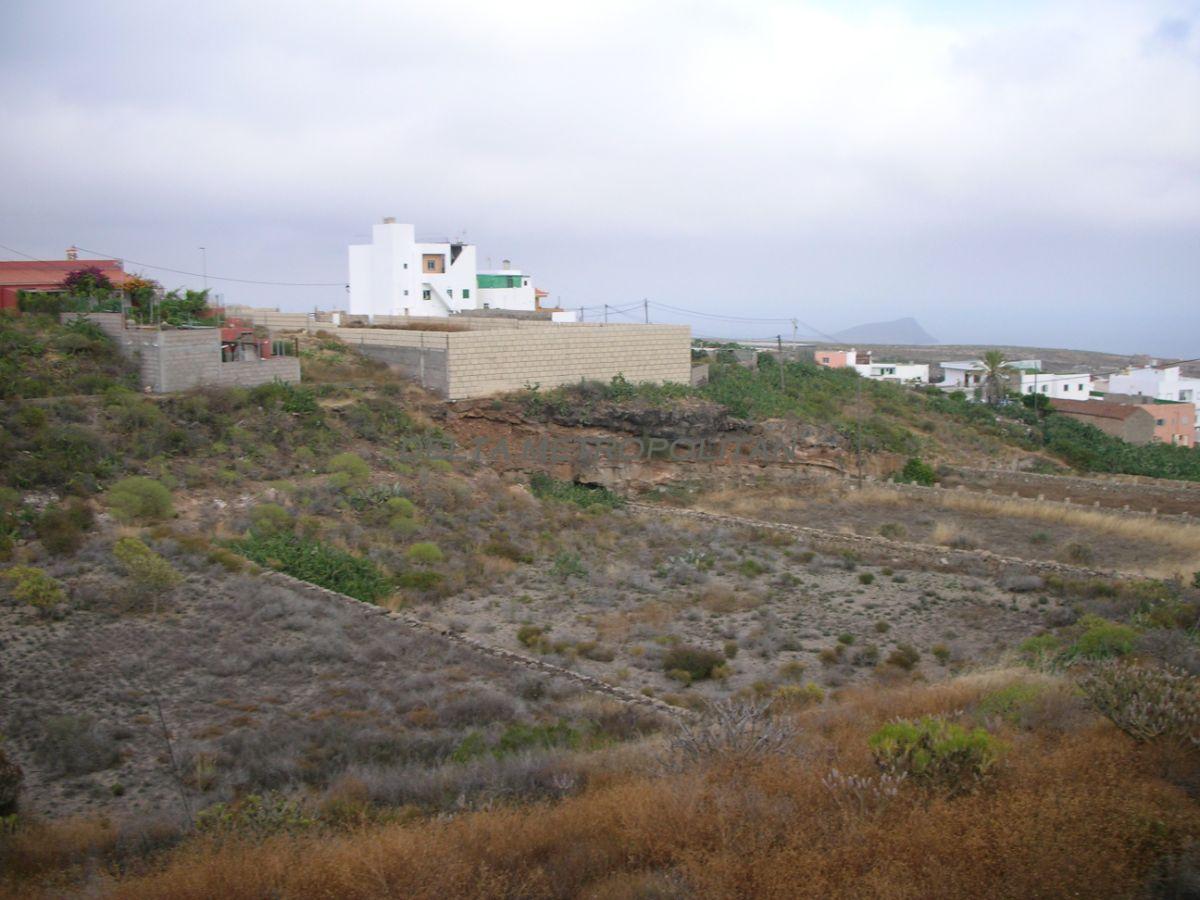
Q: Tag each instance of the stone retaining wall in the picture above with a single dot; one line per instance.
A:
(940, 558)
(924, 492)
(1107, 483)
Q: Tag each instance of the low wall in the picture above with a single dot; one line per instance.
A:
(538, 666)
(899, 553)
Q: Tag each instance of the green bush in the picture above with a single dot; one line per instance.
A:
(150, 572)
(916, 472)
(568, 565)
(61, 528)
(34, 586)
(505, 549)
(790, 697)
(697, 662)
(140, 499)
(1041, 648)
(935, 752)
(347, 469)
(312, 560)
(546, 488)
(905, 657)
(269, 519)
(254, 817)
(421, 580)
(425, 552)
(1009, 703)
(1102, 639)
(530, 635)
(399, 507)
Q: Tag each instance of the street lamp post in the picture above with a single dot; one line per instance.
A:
(204, 265)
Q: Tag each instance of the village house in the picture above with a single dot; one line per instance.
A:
(1156, 383)
(47, 275)
(860, 361)
(1174, 423)
(397, 275)
(1132, 424)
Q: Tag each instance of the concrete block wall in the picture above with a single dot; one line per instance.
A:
(188, 358)
(488, 362)
(491, 360)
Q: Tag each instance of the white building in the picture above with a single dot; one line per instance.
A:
(905, 373)
(1156, 382)
(1075, 386)
(1027, 378)
(397, 275)
(970, 373)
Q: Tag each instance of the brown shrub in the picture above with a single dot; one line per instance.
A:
(1067, 815)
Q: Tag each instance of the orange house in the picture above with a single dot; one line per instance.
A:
(47, 275)
(1174, 423)
(840, 359)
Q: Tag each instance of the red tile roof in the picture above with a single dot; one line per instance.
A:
(1101, 409)
(52, 271)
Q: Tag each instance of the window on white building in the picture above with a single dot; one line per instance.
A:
(466, 293)
(450, 293)
(1045, 388)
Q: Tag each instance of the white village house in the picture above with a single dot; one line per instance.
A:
(860, 361)
(1157, 383)
(1027, 378)
(397, 275)
(904, 373)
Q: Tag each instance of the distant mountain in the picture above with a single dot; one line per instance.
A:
(898, 331)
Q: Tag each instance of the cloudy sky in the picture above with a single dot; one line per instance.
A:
(1009, 172)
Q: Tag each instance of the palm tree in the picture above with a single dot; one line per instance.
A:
(996, 370)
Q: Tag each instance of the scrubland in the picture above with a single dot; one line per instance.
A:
(1016, 527)
(1071, 807)
(176, 724)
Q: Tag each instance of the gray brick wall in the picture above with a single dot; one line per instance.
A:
(180, 360)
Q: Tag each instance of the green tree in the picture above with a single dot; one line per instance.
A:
(997, 370)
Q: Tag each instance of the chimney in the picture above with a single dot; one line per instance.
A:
(389, 220)
(506, 263)
(72, 252)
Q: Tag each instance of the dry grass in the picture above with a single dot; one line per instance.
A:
(1085, 813)
(617, 626)
(1173, 534)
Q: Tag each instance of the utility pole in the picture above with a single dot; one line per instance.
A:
(204, 265)
(858, 429)
(646, 309)
(779, 344)
(794, 324)
(605, 313)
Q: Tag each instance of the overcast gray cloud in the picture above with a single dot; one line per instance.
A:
(1007, 172)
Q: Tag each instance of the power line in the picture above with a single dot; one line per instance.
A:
(19, 252)
(218, 277)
